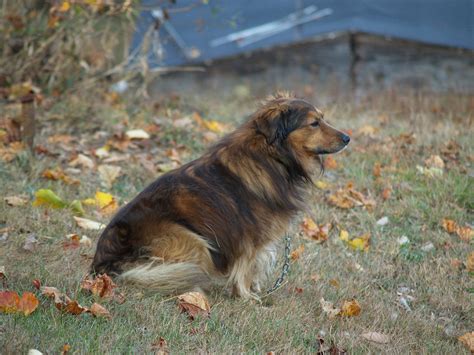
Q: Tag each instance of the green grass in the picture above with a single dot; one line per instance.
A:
(286, 321)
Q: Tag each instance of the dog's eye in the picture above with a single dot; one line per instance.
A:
(315, 124)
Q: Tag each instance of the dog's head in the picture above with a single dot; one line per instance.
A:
(298, 127)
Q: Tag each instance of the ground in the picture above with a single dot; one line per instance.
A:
(418, 293)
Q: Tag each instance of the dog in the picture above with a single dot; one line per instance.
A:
(216, 218)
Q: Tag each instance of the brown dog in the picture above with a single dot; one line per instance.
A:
(215, 217)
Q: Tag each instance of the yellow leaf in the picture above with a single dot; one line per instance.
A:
(89, 202)
(350, 308)
(321, 185)
(361, 243)
(344, 235)
(103, 199)
(65, 6)
(214, 126)
(46, 197)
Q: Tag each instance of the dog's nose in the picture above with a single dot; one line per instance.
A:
(346, 139)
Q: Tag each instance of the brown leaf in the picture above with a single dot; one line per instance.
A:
(377, 170)
(295, 254)
(449, 225)
(16, 201)
(350, 308)
(82, 161)
(468, 340)
(9, 301)
(59, 174)
(36, 283)
(101, 286)
(386, 193)
(160, 347)
(71, 306)
(315, 232)
(348, 197)
(62, 301)
(100, 311)
(65, 349)
(330, 163)
(470, 262)
(376, 337)
(28, 303)
(194, 303)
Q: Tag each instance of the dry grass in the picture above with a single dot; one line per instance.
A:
(287, 321)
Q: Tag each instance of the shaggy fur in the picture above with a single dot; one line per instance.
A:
(217, 217)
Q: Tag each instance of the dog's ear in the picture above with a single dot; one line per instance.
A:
(272, 122)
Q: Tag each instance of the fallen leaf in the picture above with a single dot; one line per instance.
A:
(88, 224)
(360, 243)
(59, 174)
(376, 337)
(329, 309)
(350, 308)
(100, 311)
(194, 303)
(101, 286)
(348, 197)
(382, 221)
(295, 254)
(434, 161)
(36, 284)
(28, 303)
(315, 232)
(108, 174)
(468, 340)
(160, 347)
(9, 301)
(470, 262)
(72, 241)
(449, 225)
(386, 193)
(334, 283)
(65, 349)
(137, 134)
(62, 301)
(83, 161)
(16, 201)
(47, 198)
(377, 170)
(330, 163)
(464, 233)
(430, 172)
(322, 185)
(367, 130)
(30, 242)
(344, 235)
(215, 126)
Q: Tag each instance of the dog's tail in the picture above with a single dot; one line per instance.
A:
(168, 278)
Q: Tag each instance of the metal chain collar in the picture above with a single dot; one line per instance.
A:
(286, 265)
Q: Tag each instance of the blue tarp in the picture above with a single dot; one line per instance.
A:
(197, 31)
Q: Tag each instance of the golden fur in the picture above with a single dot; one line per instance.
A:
(216, 218)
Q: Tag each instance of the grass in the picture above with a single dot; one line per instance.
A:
(286, 321)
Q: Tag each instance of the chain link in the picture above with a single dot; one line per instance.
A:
(286, 265)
